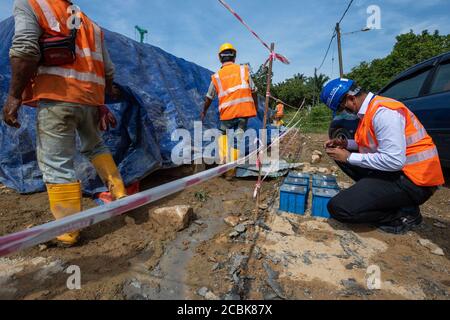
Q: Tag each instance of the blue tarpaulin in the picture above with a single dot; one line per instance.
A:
(162, 93)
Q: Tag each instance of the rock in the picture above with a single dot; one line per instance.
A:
(315, 159)
(234, 234)
(202, 292)
(434, 249)
(49, 270)
(129, 221)
(232, 221)
(334, 169)
(344, 185)
(324, 171)
(177, 217)
(135, 290)
(38, 260)
(317, 153)
(263, 206)
(199, 222)
(43, 247)
(440, 225)
(310, 170)
(241, 228)
(211, 296)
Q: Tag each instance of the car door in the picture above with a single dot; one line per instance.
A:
(413, 89)
(435, 104)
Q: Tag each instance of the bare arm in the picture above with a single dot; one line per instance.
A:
(23, 71)
(206, 106)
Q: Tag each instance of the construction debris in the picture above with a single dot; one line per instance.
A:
(241, 228)
(232, 221)
(315, 159)
(434, 249)
(272, 278)
(177, 217)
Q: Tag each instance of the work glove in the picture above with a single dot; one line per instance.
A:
(106, 118)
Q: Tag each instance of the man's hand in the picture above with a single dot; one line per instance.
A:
(339, 155)
(106, 119)
(336, 143)
(10, 110)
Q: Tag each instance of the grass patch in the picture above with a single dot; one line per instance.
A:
(315, 119)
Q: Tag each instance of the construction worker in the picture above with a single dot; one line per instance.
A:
(238, 101)
(279, 115)
(393, 160)
(70, 99)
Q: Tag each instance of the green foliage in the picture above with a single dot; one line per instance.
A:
(201, 196)
(292, 90)
(312, 120)
(409, 50)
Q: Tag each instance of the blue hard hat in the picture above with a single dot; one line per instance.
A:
(334, 91)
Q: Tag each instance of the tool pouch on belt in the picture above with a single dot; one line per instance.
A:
(58, 50)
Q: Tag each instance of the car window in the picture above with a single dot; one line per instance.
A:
(407, 88)
(442, 80)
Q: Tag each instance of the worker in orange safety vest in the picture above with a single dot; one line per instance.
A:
(60, 65)
(393, 160)
(238, 101)
(279, 115)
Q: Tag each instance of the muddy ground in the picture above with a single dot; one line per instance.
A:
(273, 255)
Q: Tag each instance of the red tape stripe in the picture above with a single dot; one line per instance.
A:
(273, 55)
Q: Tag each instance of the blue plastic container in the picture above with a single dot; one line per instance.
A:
(321, 197)
(297, 181)
(318, 177)
(293, 199)
(299, 175)
(325, 184)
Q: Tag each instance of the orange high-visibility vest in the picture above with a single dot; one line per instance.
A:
(280, 111)
(233, 89)
(83, 81)
(423, 166)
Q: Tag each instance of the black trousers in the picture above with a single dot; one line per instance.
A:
(377, 197)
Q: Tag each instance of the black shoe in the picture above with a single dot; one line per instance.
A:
(404, 224)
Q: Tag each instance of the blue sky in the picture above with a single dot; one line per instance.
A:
(194, 29)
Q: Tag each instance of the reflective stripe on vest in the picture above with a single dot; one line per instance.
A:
(419, 135)
(70, 73)
(81, 82)
(234, 102)
(49, 16)
(422, 156)
(243, 85)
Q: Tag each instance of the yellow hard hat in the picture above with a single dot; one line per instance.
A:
(226, 46)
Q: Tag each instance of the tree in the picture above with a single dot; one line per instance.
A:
(409, 50)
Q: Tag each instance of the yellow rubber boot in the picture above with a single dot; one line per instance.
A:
(110, 175)
(225, 157)
(65, 200)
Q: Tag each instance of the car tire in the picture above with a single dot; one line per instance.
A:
(342, 134)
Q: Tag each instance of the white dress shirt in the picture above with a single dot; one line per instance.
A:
(389, 126)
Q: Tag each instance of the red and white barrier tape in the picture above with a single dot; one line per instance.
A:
(273, 55)
(46, 232)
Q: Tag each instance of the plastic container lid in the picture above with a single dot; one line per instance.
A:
(300, 175)
(294, 189)
(297, 181)
(324, 177)
(325, 184)
(325, 193)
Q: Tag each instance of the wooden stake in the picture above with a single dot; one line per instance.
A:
(266, 112)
